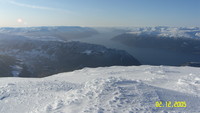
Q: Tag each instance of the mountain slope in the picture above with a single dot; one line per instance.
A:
(43, 58)
(104, 90)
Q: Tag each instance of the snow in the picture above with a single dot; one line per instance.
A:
(164, 31)
(87, 52)
(197, 34)
(131, 89)
(16, 70)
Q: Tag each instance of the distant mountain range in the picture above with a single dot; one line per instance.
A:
(46, 32)
(27, 57)
(180, 44)
(43, 51)
(164, 45)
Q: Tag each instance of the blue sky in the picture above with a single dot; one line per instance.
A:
(23, 13)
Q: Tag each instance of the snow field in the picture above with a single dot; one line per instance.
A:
(133, 89)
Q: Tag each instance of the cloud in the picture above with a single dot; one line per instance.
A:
(38, 7)
(30, 6)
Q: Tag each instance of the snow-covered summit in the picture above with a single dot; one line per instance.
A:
(104, 90)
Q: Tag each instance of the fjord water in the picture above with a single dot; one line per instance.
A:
(147, 56)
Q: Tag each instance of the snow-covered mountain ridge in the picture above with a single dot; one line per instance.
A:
(170, 32)
(38, 58)
(104, 90)
(178, 46)
(48, 32)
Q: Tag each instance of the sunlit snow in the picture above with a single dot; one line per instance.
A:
(104, 90)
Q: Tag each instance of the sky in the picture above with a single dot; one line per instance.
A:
(100, 13)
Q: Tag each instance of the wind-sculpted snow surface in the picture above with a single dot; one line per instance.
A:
(112, 95)
(104, 90)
